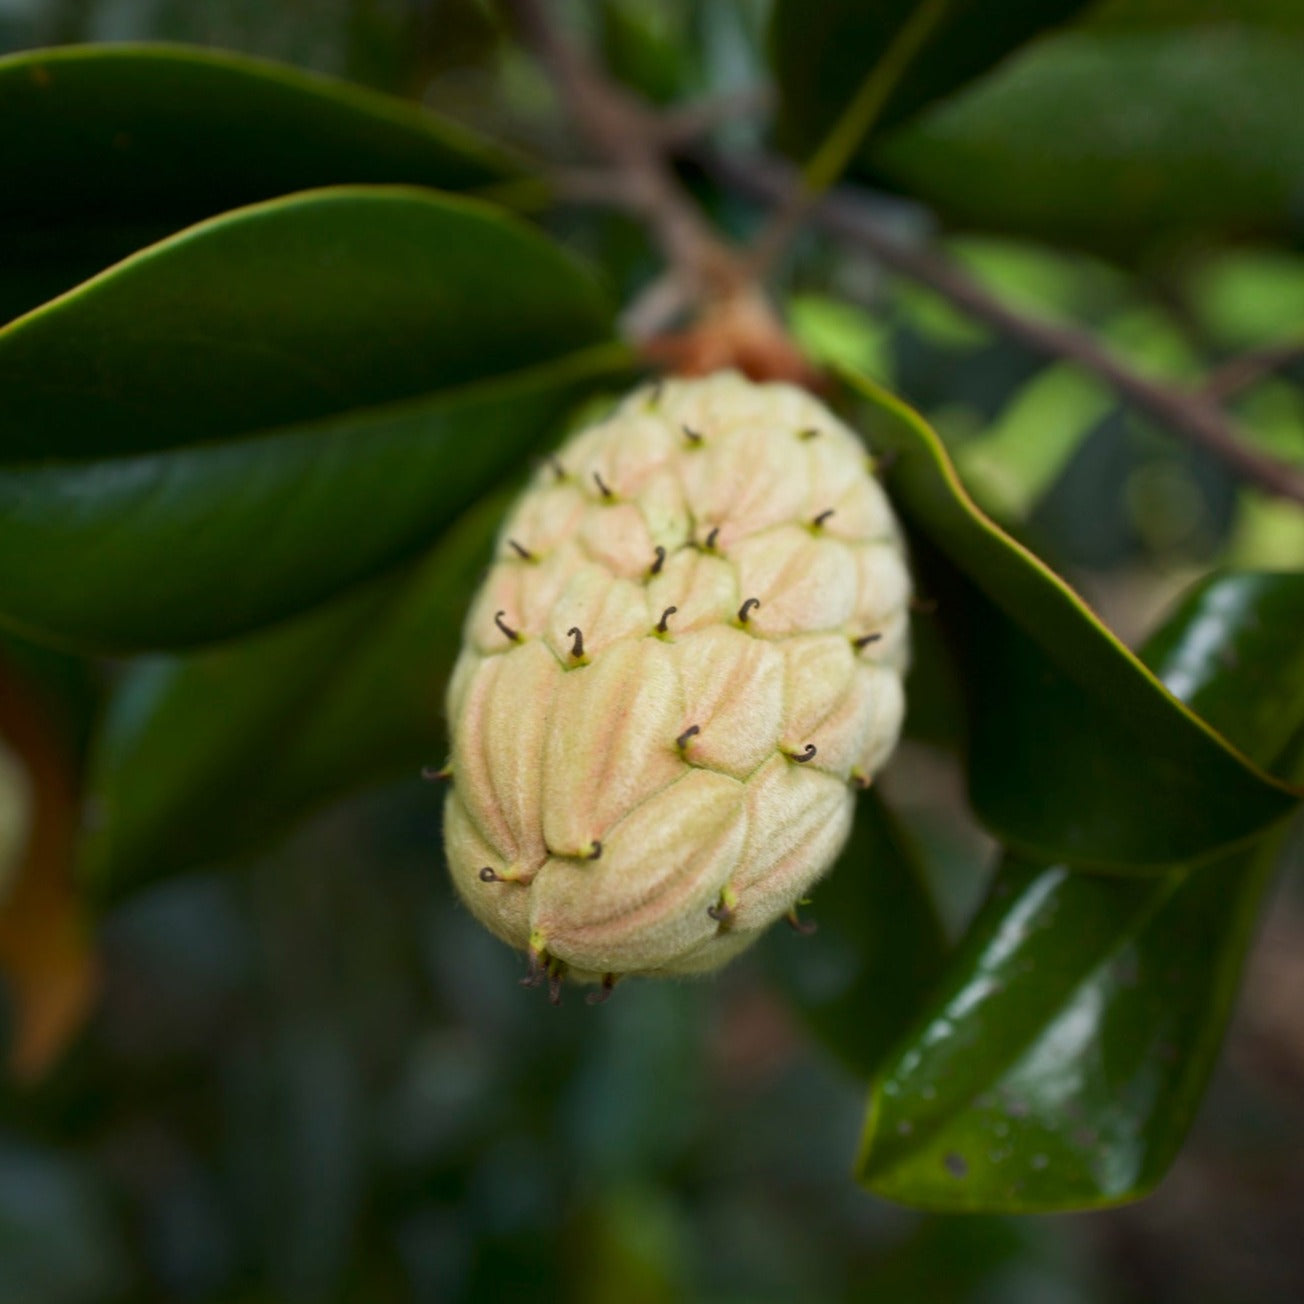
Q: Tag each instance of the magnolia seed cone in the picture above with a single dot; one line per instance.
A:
(685, 659)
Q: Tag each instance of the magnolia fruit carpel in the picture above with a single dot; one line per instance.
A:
(686, 657)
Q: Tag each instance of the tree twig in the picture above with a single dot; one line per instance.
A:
(728, 320)
(1247, 369)
(682, 125)
(629, 137)
(634, 142)
(1186, 413)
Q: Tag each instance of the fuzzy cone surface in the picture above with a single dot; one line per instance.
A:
(687, 655)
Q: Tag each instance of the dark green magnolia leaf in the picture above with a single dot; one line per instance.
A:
(1061, 1062)
(201, 757)
(1114, 139)
(1283, 16)
(859, 982)
(880, 945)
(1232, 652)
(935, 709)
(1057, 702)
(822, 53)
(112, 147)
(234, 423)
(1060, 1065)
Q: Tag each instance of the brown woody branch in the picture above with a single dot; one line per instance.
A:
(1187, 413)
(1247, 369)
(633, 141)
(728, 320)
(681, 126)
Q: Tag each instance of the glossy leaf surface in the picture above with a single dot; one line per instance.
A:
(202, 756)
(234, 423)
(1232, 651)
(1115, 139)
(1061, 1062)
(1056, 700)
(123, 144)
(822, 53)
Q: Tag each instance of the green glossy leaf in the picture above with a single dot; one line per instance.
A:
(201, 757)
(111, 147)
(822, 53)
(1060, 1063)
(234, 423)
(1056, 700)
(860, 980)
(1232, 651)
(1114, 139)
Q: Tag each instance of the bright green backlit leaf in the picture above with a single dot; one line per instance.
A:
(1019, 457)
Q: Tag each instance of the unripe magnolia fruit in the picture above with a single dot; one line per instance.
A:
(687, 655)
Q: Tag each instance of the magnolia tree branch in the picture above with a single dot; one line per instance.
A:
(1247, 369)
(725, 318)
(1187, 413)
(633, 141)
(636, 145)
(682, 125)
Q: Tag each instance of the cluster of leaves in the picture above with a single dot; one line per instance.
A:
(274, 352)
